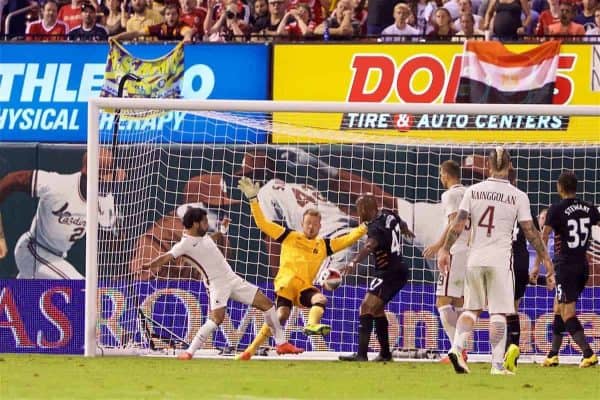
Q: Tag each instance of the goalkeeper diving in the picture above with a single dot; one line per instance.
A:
(302, 253)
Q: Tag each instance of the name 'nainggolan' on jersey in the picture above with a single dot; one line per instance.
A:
(494, 206)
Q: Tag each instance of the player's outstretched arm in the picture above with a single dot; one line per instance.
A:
(154, 265)
(250, 190)
(538, 243)
(370, 246)
(341, 242)
(18, 181)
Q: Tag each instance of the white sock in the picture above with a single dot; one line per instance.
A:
(203, 333)
(464, 327)
(272, 320)
(497, 338)
(448, 316)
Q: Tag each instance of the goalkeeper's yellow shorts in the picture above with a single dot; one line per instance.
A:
(292, 288)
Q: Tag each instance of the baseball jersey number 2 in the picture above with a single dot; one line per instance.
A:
(77, 234)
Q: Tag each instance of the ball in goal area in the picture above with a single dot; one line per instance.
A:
(324, 155)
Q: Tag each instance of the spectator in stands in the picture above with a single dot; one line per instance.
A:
(566, 26)
(297, 22)
(466, 7)
(548, 17)
(507, 18)
(469, 29)
(89, 30)
(49, 27)
(193, 16)
(429, 14)
(215, 12)
(115, 17)
(340, 21)
(443, 29)
(171, 29)
(380, 14)
(142, 17)
(359, 18)
(593, 35)
(230, 24)
(417, 8)
(398, 31)
(586, 16)
(268, 26)
(70, 14)
(453, 8)
(261, 14)
(316, 9)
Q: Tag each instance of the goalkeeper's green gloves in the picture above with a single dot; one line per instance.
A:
(249, 188)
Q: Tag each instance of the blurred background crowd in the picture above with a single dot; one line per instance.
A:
(266, 20)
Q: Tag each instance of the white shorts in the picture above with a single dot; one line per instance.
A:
(452, 283)
(235, 288)
(492, 287)
(36, 262)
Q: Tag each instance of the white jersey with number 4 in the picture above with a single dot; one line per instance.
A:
(61, 213)
(287, 202)
(203, 253)
(494, 206)
(451, 199)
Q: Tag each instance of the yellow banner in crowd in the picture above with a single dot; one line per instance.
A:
(425, 73)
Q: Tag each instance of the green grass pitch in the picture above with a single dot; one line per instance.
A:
(61, 377)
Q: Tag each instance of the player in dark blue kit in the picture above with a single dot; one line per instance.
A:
(390, 274)
(571, 220)
(521, 279)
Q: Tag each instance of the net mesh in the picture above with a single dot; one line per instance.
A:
(167, 160)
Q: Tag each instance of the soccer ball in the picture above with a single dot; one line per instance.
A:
(333, 280)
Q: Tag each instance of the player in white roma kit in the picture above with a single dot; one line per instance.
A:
(493, 206)
(59, 221)
(201, 252)
(450, 288)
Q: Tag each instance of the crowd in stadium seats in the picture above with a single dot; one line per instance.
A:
(260, 20)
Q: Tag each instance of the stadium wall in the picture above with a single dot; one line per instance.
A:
(47, 316)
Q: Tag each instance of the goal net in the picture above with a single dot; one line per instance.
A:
(171, 153)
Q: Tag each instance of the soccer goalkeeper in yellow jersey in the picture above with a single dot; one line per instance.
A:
(302, 254)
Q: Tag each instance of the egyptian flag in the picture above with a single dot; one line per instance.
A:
(490, 73)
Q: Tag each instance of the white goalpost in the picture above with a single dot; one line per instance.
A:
(153, 157)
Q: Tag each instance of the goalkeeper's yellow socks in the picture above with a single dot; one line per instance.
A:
(262, 336)
(315, 314)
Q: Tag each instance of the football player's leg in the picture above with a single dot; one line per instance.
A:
(573, 284)
(500, 295)
(317, 302)
(558, 328)
(450, 291)
(205, 332)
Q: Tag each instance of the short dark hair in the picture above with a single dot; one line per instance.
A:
(193, 214)
(451, 168)
(568, 182)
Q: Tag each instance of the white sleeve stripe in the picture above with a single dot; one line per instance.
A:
(34, 183)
